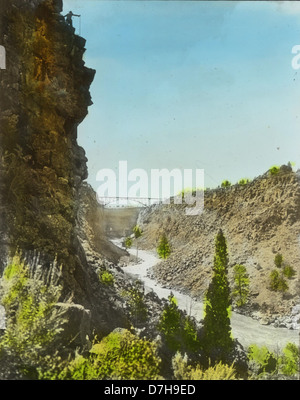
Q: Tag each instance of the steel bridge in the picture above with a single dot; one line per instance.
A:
(127, 201)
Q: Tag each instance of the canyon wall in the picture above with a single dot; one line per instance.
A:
(259, 220)
(44, 96)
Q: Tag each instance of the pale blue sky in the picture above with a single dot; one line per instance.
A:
(191, 84)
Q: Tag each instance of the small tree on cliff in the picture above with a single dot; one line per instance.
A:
(217, 340)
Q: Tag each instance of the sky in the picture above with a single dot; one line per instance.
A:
(191, 85)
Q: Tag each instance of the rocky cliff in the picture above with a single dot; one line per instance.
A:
(44, 96)
(259, 220)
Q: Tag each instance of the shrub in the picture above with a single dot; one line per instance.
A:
(128, 242)
(53, 367)
(179, 331)
(33, 320)
(278, 260)
(136, 302)
(182, 371)
(288, 361)
(277, 282)
(137, 231)
(169, 324)
(187, 193)
(263, 360)
(225, 184)
(15, 278)
(274, 170)
(120, 355)
(219, 371)
(106, 278)
(243, 181)
(288, 271)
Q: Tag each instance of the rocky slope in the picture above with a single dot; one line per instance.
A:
(259, 220)
(45, 209)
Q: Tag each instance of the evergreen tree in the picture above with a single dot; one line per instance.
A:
(179, 330)
(137, 234)
(217, 338)
(128, 242)
(241, 288)
(163, 249)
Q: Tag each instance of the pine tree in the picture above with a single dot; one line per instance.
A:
(163, 249)
(217, 338)
(137, 234)
(178, 330)
(241, 288)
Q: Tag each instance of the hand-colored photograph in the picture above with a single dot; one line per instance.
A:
(149, 193)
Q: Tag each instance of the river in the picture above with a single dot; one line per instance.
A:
(246, 329)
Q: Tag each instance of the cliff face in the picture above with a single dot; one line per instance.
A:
(44, 96)
(259, 220)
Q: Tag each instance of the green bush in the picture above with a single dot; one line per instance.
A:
(137, 231)
(120, 355)
(274, 170)
(179, 331)
(278, 260)
(107, 278)
(277, 282)
(243, 181)
(128, 242)
(264, 361)
(33, 320)
(225, 184)
(288, 361)
(288, 271)
(135, 298)
(183, 371)
(170, 322)
(15, 279)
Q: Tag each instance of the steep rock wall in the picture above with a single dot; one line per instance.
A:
(44, 96)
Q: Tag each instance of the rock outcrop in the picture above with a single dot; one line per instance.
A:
(44, 96)
(259, 220)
